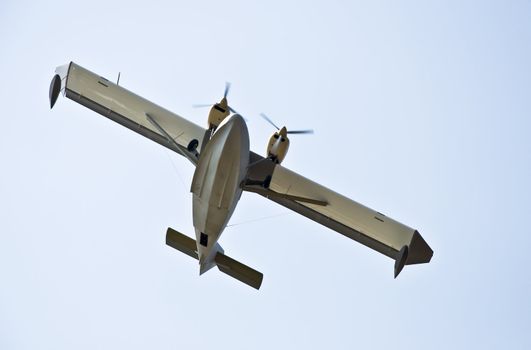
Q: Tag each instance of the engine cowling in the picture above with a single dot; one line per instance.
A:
(278, 146)
(218, 112)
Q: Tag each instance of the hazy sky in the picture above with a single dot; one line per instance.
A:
(421, 110)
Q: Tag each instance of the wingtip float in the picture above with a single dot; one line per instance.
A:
(55, 89)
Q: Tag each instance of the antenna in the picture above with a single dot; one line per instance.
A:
(118, 80)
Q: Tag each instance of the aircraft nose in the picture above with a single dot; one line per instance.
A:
(237, 123)
(237, 119)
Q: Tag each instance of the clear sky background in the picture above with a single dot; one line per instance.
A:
(421, 110)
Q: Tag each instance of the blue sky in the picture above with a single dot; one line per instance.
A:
(420, 110)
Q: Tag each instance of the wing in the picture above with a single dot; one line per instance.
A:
(128, 109)
(402, 243)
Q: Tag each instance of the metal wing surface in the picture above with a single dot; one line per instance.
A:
(128, 109)
(402, 243)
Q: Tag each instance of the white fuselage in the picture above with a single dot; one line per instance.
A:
(216, 185)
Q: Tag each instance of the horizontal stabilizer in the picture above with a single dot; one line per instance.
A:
(181, 242)
(239, 271)
(225, 264)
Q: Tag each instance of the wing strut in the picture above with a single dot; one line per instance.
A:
(190, 156)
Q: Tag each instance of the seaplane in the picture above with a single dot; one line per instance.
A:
(225, 167)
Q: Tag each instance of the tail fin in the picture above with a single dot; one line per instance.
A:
(225, 264)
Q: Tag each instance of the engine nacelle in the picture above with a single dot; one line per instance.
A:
(278, 146)
(218, 112)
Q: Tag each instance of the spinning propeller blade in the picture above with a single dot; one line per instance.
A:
(308, 131)
(225, 93)
(227, 89)
(269, 120)
(203, 105)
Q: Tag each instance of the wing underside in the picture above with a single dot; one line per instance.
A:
(403, 244)
(128, 109)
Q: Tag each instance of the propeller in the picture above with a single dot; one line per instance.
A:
(269, 120)
(227, 89)
(307, 131)
(225, 93)
(203, 105)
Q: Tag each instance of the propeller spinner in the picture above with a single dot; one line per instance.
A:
(278, 145)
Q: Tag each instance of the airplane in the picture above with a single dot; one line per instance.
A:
(225, 167)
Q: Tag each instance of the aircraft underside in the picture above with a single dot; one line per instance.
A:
(225, 167)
